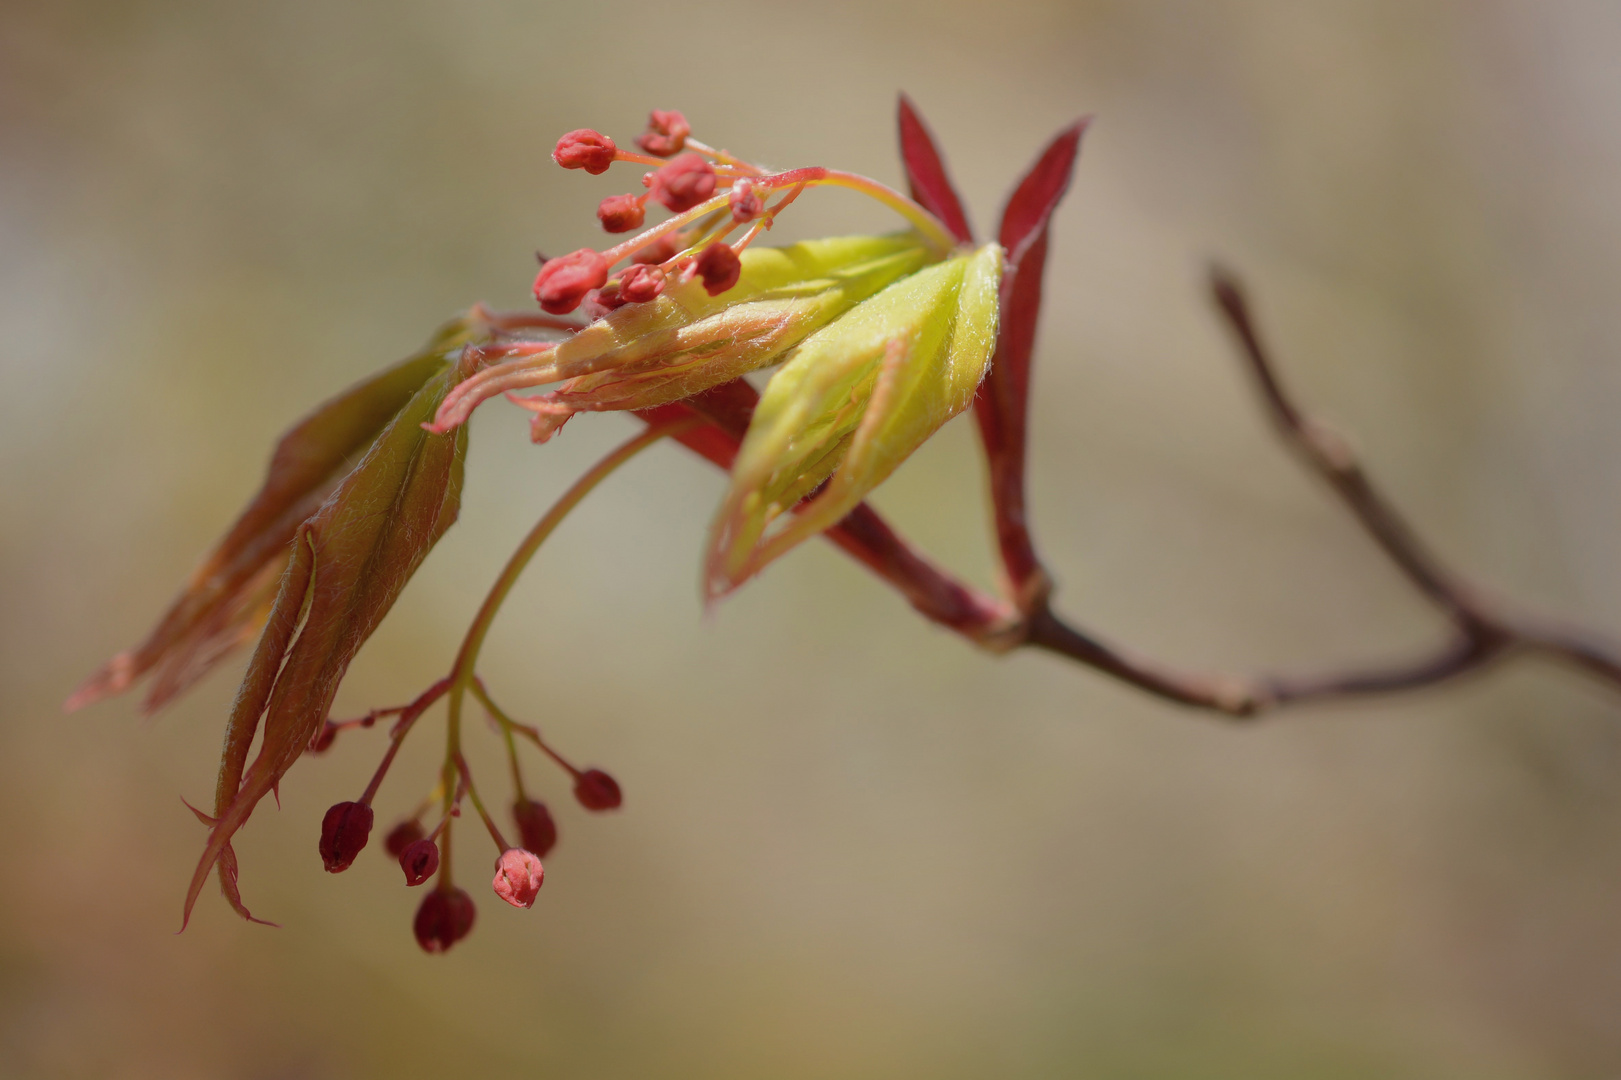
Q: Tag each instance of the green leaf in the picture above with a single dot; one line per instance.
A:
(850, 404)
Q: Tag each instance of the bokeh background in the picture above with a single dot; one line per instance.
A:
(851, 845)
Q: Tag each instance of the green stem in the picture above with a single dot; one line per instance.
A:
(478, 804)
(504, 722)
(509, 727)
(512, 760)
(462, 673)
(448, 782)
(445, 883)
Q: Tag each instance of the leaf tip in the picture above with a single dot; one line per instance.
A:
(113, 677)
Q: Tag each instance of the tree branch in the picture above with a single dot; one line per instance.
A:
(1483, 632)
(1329, 455)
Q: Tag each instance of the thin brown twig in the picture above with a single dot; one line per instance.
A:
(1483, 631)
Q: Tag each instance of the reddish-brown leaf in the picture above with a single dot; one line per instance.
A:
(228, 597)
(1032, 203)
(349, 563)
(926, 173)
(1002, 405)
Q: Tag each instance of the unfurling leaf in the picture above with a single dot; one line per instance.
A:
(228, 597)
(348, 565)
(685, 341)
(850, 404)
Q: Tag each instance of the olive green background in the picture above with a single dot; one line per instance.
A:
(851, 846)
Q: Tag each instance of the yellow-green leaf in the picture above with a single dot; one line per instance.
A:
(850, 404)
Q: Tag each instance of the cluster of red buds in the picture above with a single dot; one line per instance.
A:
(447, 912)
(688, 181)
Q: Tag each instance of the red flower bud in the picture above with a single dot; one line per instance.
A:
(536, 828)
(443, 919)
(596, 790)
(661, 250)
(719, 267)
(684, 183)
(585, 149)
(621, 213)
(666, 133)
(403, 836)
(639, 284)
(563, 282)
(518, 875)
(343, 833)
(419, 860)
(746, 202)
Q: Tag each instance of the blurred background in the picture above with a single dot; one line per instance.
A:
(851, 846)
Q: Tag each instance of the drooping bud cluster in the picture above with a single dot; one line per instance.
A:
(446, 914)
